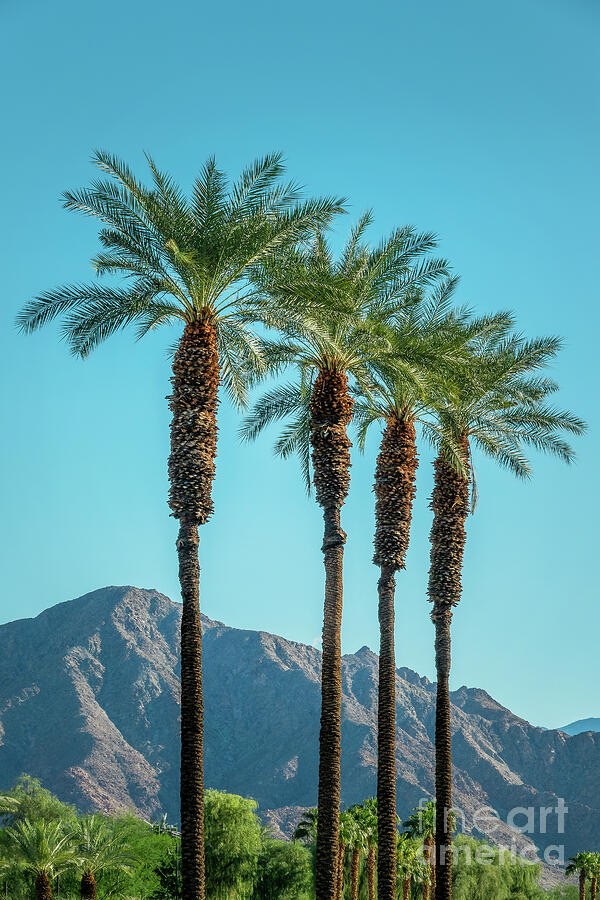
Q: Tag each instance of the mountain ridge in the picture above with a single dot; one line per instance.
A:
(89, 697)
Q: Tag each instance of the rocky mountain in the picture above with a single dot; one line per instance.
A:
(89, 704)
(582, 725)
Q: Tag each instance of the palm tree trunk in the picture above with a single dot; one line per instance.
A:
(331, 412)
(406, 889)
(395, 478)
(194, 404)
(386, 740)
(354, 874)
(427, 857)
(88, 887)
(43, 887)
(340, 872)
(443, 759)
(371, 871)
(450, 504)
(582, 885)
(594, 888)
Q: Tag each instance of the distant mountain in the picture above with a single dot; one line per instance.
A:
(582, 725)
(89, 696)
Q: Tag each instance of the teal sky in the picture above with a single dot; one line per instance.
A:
(479, 121)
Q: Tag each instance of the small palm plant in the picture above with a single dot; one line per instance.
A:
(594, 871)
(358, 844)
(185, 261)
(347, 828)
(99, 851)
(44, 850)
(370, 819)
(498, 405)
(306, 829)
(331, 312)
(420, 825)
(580, 865)
(410, 865)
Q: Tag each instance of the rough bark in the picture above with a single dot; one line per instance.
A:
(43, 887)
(582, 885)
(88, 888)
(443, 760)
(406, 889)
(354, 874)
(594, 888)
(340, 872)
(371, 871)
(427, 857)
(193, 402)
(450, 504)
(331, 412)
(395, 478)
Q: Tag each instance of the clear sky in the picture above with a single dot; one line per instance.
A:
(477, 120)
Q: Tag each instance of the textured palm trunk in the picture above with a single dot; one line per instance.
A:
(331, 413)
(193, 402)
(406, 889)
(594, 887)
(443, 759)
(428, 862)
(395, 478)
(450, 504)
(340, 872)
(43, 887)
(371, 871)
(88, 887)
(354, 866)
(582, 885)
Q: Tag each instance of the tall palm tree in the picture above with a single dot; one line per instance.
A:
(330, 311)
(426, 338)
(498, 405)
(43, 850)
(420, 825)
(99, 851)
(185, 261)
(580, 865)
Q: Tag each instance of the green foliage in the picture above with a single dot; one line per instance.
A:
(482, 872)
(181, 259)
(284, 871)
(232, 834)
(29, 800)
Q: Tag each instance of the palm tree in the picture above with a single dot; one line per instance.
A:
(594, 870)
(580, 865)
(410, 866)
(420, 825)
(347, 828)
(185, 261)
(498, 405)
(44, 850)
(368, 818)
(306, 829)
(424, 341)
(329, 312)
(99, 851)
(357, 844)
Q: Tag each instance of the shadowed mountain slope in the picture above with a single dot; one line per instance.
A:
(89, 698)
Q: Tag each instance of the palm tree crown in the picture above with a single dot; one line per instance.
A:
(184, 259)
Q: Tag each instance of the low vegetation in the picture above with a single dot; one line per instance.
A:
(48, 850)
